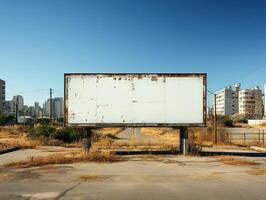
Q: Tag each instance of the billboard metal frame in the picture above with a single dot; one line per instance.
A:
(103, 125)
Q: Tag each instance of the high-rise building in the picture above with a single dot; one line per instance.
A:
(227, 100)
(18, 99)
(57, 107)
(37, 109)
(250, 103)
(2, 94)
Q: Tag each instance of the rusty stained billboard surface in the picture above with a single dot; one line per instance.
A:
(135, 100)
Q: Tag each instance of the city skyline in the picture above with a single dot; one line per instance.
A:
(40, 41)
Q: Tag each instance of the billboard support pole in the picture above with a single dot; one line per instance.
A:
(87, 140)
(183, 139)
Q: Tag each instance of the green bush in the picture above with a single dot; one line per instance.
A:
(41, 131)
(66, 135)
(44, 121)
(239, 118)
(228, 121)
(5, 119)
(2, 119)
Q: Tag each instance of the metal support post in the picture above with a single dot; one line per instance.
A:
(183, 141)
(87, 140)
(215, 122)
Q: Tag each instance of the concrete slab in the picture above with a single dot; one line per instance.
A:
(156, 178)
(230, 150)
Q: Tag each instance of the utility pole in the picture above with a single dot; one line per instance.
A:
(215, 119)
(51, 105)
(16, 112)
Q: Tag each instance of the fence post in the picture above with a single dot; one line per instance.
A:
(244, 138)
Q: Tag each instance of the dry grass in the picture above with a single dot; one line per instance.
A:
(25, 143)
(16, 136)
(63, 158)
(246, 126)
(259, 171)
(102, 143)
(111, 131)
(167, 134)
(228, 160)
(263, 125)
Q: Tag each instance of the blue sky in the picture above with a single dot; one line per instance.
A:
(40, 40)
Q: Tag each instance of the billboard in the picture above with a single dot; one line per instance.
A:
(135, 100)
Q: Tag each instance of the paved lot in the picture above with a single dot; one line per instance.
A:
(167, 177)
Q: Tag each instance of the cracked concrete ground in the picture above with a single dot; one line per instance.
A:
(141, 177)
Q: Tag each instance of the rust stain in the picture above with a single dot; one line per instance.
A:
(154, 78)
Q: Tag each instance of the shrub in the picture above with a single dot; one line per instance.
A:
(41, 131)
(68, 135)
(6, 119)
(2, 119)
(239, 118)
(228, 121)
(45, 121)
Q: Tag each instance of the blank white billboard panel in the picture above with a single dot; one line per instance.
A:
(101, 100)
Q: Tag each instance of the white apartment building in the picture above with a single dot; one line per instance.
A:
(2, 94)
(250, 103)
(227, 100)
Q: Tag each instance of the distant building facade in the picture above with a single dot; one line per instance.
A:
(227, 100)
(57, 107)
(9, 108)
(18, 99)
(250, 103)
(37, 110)
(2, 94)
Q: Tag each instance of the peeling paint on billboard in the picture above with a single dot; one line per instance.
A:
(101, 100)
